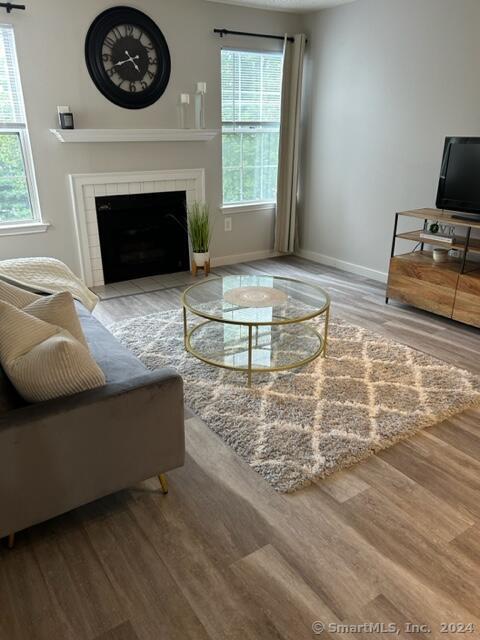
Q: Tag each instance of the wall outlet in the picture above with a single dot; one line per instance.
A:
(228, 224)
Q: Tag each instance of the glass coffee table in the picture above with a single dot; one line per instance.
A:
(255, 323)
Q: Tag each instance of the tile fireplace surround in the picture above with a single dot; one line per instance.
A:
(85, 187)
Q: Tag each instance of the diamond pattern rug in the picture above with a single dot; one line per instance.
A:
(293, 427)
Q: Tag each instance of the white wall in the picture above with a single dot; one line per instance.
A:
(386, 81)
(50, 37)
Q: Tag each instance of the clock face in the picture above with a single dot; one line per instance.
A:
(130, 58)
(127, 57)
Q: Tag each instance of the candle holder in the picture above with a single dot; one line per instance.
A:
(200, 105)
(182, 110)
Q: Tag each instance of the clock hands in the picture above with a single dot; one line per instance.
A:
(129, 59)
(120, 62)
(132, 60)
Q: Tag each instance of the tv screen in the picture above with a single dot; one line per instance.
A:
(459, 185)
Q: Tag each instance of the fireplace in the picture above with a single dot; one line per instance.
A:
(86, 187)
(142, 234)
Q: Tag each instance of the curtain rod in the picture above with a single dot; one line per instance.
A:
(9, 6)
(227, 32)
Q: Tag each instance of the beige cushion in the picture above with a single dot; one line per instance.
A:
(59, 310)
(42, 360)
(14, 295)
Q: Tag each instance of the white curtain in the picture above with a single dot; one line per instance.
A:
(285, 223)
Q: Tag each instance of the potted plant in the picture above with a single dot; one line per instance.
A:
(200, 231)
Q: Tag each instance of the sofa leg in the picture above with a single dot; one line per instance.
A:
(163, 483)
(11, 540)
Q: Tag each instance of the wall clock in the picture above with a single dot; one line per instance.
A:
(127, 57)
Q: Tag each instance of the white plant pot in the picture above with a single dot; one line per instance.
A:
(201, 258)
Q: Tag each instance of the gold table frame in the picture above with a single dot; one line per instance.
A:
(249, 369)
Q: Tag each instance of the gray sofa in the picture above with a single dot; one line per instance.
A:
(60, 454)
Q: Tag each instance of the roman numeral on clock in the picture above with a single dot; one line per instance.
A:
(109, 42)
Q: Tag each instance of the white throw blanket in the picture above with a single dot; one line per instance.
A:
(46, 275)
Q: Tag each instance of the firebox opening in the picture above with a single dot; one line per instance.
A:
(142, 234)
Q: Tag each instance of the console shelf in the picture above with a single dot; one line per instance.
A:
(459, 245)
(450, 289)
(440, 216)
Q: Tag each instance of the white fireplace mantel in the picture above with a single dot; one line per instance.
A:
(86, 187)
(134, 135)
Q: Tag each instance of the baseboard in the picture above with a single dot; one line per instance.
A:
(343, 265)
(243, 257)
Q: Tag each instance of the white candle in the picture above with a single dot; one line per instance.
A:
(184, 98)
(201, 87)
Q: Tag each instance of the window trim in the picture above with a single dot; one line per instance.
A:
(248, 207)
(257, 206)
(36, 222)
(26, 227)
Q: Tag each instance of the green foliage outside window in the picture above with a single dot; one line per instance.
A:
(14, 198)
(250, 164)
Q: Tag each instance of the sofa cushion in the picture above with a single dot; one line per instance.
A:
(9, 398)
(117, 363)
(42, 360)
(16, 296)
(58, 309)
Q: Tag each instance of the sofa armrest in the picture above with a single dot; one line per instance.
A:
(107, 393)
(60, 454)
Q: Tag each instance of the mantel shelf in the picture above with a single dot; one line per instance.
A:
(134, 135)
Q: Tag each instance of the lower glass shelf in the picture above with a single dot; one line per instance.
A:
(274, 348)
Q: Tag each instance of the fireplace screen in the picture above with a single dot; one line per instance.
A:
(142, 235)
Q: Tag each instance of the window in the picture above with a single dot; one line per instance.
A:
(251, 105)
(18, 193)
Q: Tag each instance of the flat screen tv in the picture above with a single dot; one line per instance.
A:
(459, 185)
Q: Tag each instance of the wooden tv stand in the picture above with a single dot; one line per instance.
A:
(450, 289)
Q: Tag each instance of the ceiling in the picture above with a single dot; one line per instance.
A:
(286, 5)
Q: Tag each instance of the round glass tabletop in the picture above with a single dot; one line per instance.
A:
(255, 300)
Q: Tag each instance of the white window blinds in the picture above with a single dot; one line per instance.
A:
(251, 88)
(12, 111)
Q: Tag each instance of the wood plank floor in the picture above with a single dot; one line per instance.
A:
(395, 539)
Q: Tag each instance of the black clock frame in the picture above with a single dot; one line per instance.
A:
(97, 32)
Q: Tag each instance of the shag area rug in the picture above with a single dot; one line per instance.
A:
(293, 427)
